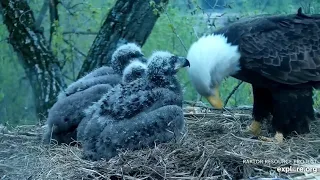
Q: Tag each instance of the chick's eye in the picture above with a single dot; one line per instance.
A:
(173, 58)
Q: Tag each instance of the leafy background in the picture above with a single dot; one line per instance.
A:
(187, 19)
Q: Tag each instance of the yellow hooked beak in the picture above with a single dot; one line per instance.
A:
(215, 100)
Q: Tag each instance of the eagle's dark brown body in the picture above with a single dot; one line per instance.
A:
(280, 57)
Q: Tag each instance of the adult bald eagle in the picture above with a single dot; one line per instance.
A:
(278, 55)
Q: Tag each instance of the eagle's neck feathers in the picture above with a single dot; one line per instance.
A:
(212, 59)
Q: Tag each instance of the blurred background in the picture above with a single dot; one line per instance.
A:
(182, 23)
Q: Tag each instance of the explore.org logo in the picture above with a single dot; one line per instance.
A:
(297, 169)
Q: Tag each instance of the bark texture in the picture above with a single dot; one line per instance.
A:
(41, 66)
(54, 18)
(128, 20)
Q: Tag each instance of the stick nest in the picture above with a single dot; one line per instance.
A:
(216, 146)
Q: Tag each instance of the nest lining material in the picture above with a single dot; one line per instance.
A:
(215, 146)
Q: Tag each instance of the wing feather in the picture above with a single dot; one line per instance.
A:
(282, 48)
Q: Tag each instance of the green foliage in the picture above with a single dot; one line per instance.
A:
(174, 22)
(255, 7)
(16, 105)
(177, 28)
(165, 36)
(1, 96)
(57, 38)
(16, 98)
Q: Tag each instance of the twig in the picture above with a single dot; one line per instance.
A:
(232, 92)
(126, 177)
(174, 30)
(314, 141)
(17, 136)
(70, 7)
(22, 134)
(42, 13)
(196, 104)
(69, 78)
(93, 171)
(23, 15)
(74, 6)
(165, 168)
(226, 172)
(204, 167)
(200, 114)
(215, 114)
(195, 32)
(185, 84)
(6, 166)
(75, 48)
(28, 134)
(251, 140)
(80, 32)
(153, 170)
(79, 159)
(212, 7)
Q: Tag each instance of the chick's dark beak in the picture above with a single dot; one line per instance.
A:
(181, 63)
(187, 63)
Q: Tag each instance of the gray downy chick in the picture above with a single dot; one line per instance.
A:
(121, 57)
(124, 55)
(127, 100)
(152, 102)
(135, 70)
(102, 75)
(65, 115)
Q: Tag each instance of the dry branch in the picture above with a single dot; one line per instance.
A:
(232, 92)
(74, 47)
(202, 105)
(80, 32)
(16, 136)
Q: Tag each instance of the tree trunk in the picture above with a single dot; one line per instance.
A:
(130, 20)
(41, 66)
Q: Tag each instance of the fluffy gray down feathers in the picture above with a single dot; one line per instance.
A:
(133, 115)
(102, 75)
(132, 105)
(66, 114)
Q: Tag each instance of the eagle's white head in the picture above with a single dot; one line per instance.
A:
(212, 59)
